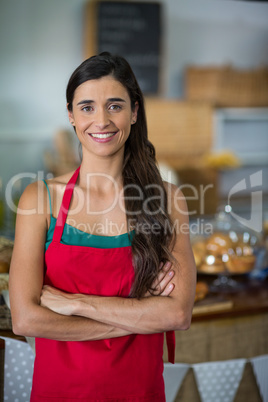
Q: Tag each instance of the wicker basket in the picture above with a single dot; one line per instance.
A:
(227, 87)
(203, 84)
(179, 130)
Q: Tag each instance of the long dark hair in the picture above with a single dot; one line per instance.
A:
(154, 236)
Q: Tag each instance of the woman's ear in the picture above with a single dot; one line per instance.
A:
(135, 113)
(70, 115)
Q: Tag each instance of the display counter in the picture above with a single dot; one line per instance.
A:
(227, 328)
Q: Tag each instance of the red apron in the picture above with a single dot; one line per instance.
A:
(128, 368)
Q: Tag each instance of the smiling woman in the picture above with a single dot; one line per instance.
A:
(106, 117)
(99, 301)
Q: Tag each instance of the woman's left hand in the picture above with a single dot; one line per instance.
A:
(58, 301)
(162, 285)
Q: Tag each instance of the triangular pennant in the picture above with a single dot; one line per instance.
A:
(173, 377)
(260, 367)
(218, 381)
(19, 361)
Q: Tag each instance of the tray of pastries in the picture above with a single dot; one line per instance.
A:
(229, 248)
(219, 253)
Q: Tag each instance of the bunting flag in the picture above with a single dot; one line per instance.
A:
(18, 372)
(219, 381)
(260, 368)
(173, 377)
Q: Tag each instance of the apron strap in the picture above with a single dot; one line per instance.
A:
(171, 342)
(67, 196)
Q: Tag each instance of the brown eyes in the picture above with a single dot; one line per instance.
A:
(115, 107)
(111, 107)
(87, 108)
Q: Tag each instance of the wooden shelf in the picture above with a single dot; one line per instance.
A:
(250, 298)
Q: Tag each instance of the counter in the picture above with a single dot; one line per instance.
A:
(226, 328)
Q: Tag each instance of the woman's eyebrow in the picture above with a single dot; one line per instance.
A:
(87, 101)
(116, 100)
(82, 102)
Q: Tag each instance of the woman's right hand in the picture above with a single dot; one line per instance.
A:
(162, 285)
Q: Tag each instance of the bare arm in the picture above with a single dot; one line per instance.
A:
(151, 314)
(29, 318)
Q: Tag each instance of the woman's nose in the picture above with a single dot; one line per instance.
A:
(101, 118)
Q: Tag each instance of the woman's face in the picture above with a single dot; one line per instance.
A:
(102, 116)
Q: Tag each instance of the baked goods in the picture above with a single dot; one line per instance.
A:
(240, 264)
(199, 251)
(4, 282)
(201, 290)
(6, 249)
(218, 243)
(212, 265)
(224, 253)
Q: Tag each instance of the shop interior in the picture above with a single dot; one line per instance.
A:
(204, 74)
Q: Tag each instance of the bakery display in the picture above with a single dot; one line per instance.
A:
(229, 248)
(220, 253)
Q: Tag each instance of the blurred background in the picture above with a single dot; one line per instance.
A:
(212, 60)
(203, 67)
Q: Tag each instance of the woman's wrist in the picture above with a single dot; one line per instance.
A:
(82, 305)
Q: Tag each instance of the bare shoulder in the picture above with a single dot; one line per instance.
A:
(31, 196)
(31, 220)
(34, 198)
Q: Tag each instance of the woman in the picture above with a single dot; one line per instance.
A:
(100, 299)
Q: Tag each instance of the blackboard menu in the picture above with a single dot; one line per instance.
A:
(132, 30)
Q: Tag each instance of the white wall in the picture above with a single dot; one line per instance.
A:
(214, 32)
(42, 42)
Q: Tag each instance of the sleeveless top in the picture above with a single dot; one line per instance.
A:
(123, 369)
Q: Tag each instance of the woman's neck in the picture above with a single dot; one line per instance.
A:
(101, 172)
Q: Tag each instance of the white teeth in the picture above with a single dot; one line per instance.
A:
(102, 135)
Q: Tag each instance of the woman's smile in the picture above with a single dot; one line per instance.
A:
(103, 137)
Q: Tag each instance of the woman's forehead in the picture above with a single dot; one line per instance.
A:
(104, 87)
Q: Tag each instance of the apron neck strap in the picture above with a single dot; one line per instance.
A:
(67, 196)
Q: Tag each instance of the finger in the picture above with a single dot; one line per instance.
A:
(161, 280)
(164, 268)
(164, 289)
(158, 289)
(168, 289)
(157, 280)
(154, 291)
(165, 281)
(167, 266)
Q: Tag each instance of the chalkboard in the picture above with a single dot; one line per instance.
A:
(132, 30)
